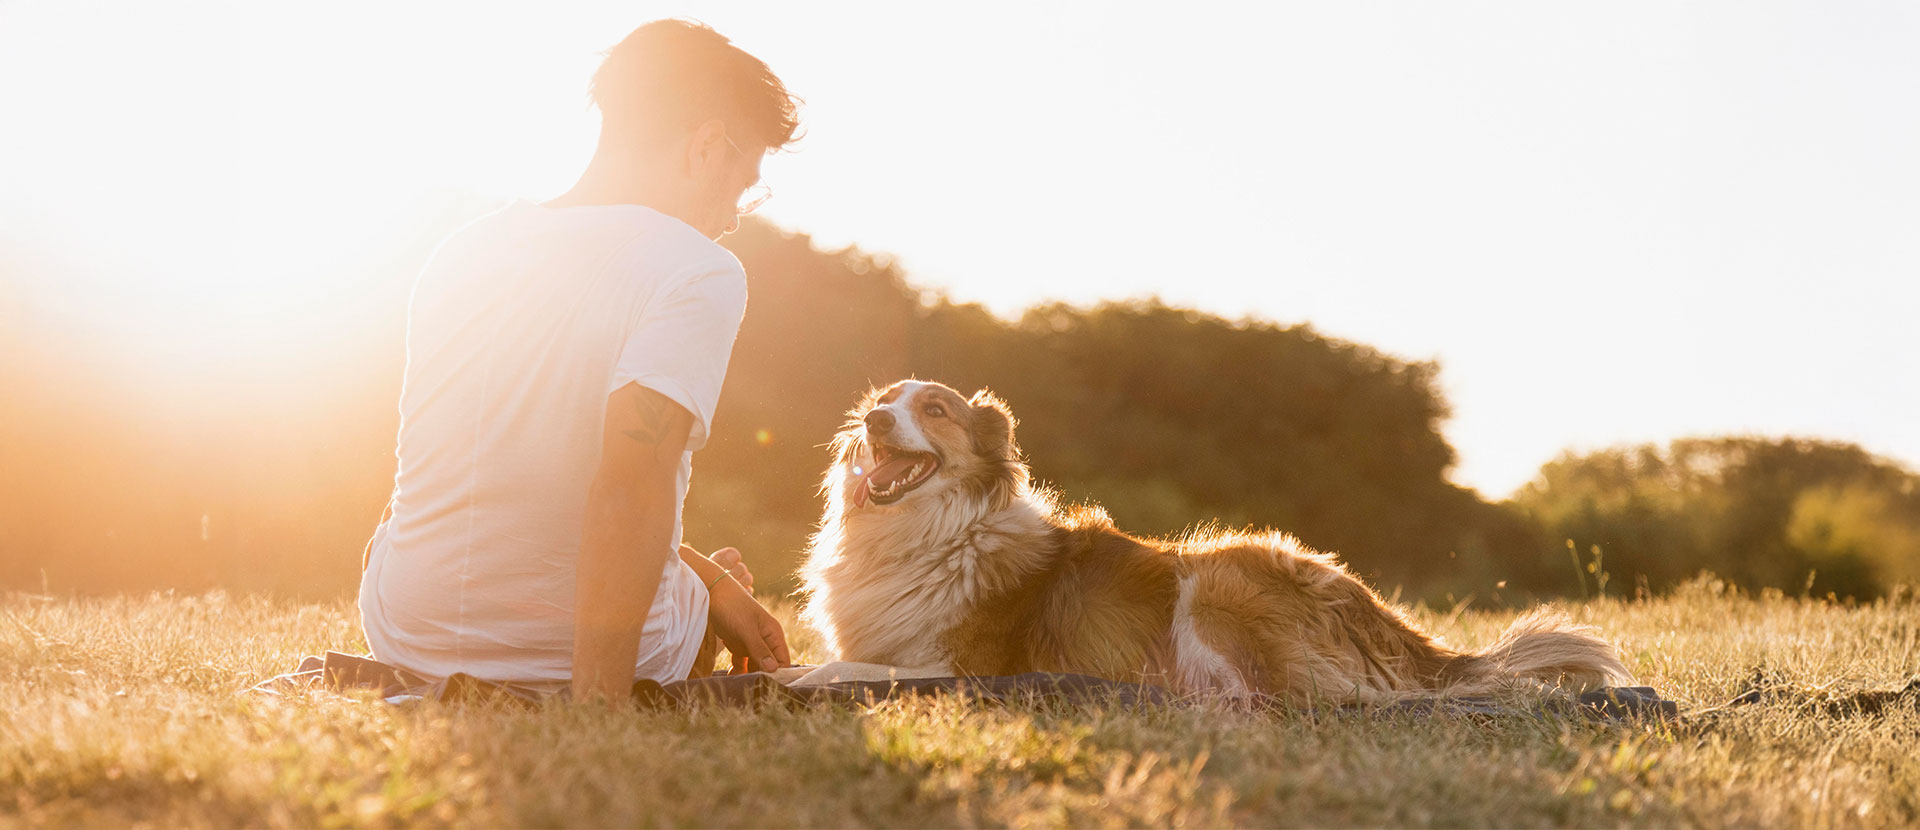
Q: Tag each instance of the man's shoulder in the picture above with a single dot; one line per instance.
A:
(677, 256)
(636, 241)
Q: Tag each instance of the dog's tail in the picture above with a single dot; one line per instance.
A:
(1543, 646)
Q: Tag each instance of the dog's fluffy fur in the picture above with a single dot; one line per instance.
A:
(937, 551)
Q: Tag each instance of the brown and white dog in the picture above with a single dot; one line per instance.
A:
(937, 552)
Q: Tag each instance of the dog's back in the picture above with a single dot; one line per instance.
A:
(1100, 603)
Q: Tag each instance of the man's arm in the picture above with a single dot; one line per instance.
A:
(627, 538)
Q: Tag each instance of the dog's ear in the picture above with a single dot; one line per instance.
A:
(993, 425)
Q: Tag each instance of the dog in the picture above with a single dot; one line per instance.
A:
(937, 551)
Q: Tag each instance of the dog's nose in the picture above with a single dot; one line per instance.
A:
(879, 422)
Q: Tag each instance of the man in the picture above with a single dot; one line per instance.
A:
(563, 363)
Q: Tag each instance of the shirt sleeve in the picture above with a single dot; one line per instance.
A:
(682, 340)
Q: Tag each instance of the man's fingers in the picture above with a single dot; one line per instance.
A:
(759, 654)
(776, 637)
(735, 565)
(752, 635)
(761, 657)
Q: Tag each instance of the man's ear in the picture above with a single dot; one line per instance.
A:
(993, 425)
(706, 145)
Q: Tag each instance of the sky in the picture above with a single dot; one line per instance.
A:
(1608, 222)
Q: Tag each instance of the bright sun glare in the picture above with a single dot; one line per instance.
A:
(246, 177)
(222, 182)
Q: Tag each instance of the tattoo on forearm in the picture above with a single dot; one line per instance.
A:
(656, 414)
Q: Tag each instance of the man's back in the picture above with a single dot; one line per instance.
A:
(518, 330)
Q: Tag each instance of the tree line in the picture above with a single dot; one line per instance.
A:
(1168, 417)
(1172, 418)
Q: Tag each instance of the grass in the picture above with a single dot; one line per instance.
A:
(127, 711)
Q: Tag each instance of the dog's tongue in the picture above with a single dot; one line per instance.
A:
(884, 475)
(892, 470)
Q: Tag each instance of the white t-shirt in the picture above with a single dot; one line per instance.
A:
(519, 328)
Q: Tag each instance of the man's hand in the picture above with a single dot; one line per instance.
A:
(729, 558)
(752, 635)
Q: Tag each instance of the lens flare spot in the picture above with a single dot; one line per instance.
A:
(763, 437)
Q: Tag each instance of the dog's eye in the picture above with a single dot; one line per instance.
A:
(937, 411)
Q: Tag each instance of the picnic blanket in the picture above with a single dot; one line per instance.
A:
(347, 672)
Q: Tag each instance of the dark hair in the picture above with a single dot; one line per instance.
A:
(674, 75)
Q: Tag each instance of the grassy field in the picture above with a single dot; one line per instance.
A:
(127, 711)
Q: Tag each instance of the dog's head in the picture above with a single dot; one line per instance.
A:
(915, 439)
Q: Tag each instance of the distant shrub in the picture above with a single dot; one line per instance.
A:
(1792, 514)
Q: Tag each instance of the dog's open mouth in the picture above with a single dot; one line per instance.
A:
(895, 473)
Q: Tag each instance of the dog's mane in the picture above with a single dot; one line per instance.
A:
(949, 549)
